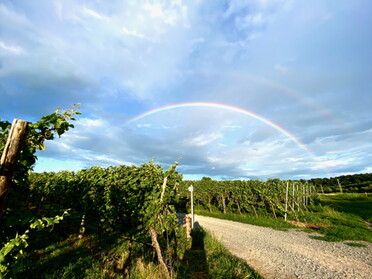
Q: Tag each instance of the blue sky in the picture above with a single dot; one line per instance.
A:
(304, 66)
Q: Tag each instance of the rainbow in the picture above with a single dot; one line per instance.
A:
(327, 114)
(225, 107)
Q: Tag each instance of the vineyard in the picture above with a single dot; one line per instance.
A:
(131, 208)
(134, 203)
(272, 198)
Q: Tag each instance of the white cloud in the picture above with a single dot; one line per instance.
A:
(11, 18)
(11, 49)
(133, 33)
(93, 13)
(171, 14)
(89, 123)
(281, 69)
(254, 20)
(144, 125)
(203, 140)
(106, 160)
(156, 10)
(330, 163)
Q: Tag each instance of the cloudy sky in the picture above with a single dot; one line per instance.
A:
(229, 89)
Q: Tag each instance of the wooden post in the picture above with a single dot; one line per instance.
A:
(303, 195)
(188, 226)
(286, 202)
(155, 244)
(191, 189)
(223, 203)
(293, 195)
(321, 187)
(13, 145)
(339, 185)
(298, 198)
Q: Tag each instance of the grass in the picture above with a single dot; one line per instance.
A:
(207, 258)
(338, 217)
(249, 219)
(342, 216)
(70, 258)
(94, 257)
(88, 257)
(358, 205)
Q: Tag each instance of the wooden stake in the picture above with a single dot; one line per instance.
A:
(155, 244)
(293, 195)
(303, 195)
(339, 185)
(254, 209)
(321, 187)
(286, 202)
(223, 203)
(188, 227)
(17, 135)
(298, 199)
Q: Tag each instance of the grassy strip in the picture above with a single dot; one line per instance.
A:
(222, 264)
(355, 204)
(207, 258)
(91, 257)
(342, 216)
(339, 217)
(249, 219)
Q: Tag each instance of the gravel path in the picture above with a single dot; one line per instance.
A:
(290, 254)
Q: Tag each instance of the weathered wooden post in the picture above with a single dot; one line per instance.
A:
(339, 185)
(188, 226)
(286, 202)
(293, 195)
(17, 135)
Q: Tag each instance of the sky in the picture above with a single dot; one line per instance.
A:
(229, 89)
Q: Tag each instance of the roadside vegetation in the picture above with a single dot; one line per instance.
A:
(263, 221)
(94, 256)
(339, 217)
(207, 258)
(342, 216)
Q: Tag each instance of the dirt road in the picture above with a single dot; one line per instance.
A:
(290, 254)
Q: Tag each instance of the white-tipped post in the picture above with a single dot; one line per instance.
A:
(191, 189)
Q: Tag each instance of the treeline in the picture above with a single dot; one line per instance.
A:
(355, 183)
(252, 196)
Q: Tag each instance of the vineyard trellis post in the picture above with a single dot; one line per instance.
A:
(286, 202)
(191, 189)
(293, 195)
(339, 185)
(13, 145)
(298, 198)
(321, 187)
